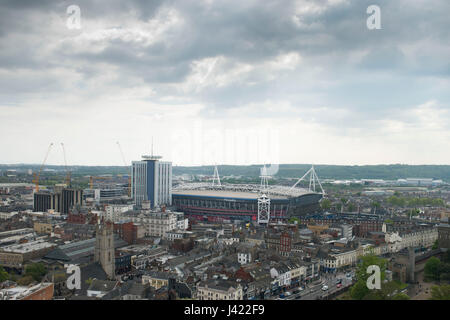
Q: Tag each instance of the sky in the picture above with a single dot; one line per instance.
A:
(225, 82)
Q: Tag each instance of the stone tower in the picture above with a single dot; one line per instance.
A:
(104, 249)
(411, 264)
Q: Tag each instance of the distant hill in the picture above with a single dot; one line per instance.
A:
(387, 172)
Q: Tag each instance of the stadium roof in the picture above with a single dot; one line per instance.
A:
(245, 191)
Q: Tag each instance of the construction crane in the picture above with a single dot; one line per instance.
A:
(68, 180)
(38, 175)
(125, 164)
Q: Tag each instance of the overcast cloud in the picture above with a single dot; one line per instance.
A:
(226, 81)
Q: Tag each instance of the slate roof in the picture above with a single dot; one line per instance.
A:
(102, 285)
(91, 271)
(79, 250)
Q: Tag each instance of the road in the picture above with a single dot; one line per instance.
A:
(313, 292)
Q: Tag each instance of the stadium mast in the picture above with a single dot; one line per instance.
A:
(313, 179)
(216, 177)
(264, 179)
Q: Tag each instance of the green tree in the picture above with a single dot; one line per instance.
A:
(401, 296)
(446, 257)
(25, 280)
(36, 270)
(440, 292)
(376, 206)
(351, 207)
(431, 269)
(293, 220)
(325, 204)
(360, 291)
(435, 245)
(343, 202)
(3, 274)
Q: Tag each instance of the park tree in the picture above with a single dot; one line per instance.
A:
(360, 291)
(440, 292)
(435, 245)
(25, 280)
(36, 270)
(401, 296)
(432, 267)
(3, 274)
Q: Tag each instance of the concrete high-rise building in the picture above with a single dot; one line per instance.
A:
(151, 180)
(61, 200)
(44, 201)
(69, 198)
(104, 248)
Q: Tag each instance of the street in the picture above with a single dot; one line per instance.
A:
(313, 292)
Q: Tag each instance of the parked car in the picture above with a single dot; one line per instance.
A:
(339, 285)
(325, 288)
(282, 296)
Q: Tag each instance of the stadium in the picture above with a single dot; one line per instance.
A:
(223, 203)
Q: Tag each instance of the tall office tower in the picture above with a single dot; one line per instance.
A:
(104, 249)
(151, 180)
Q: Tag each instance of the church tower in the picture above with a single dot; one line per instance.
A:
(104, 248)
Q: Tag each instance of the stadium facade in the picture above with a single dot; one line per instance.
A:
(240, 202)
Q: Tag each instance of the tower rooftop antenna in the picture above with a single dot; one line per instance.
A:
(152, 156)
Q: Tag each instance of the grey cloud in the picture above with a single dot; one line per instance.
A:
(252, 33)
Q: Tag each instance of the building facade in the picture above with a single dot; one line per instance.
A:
(61, 200)
(219, 290)
(151, 180)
